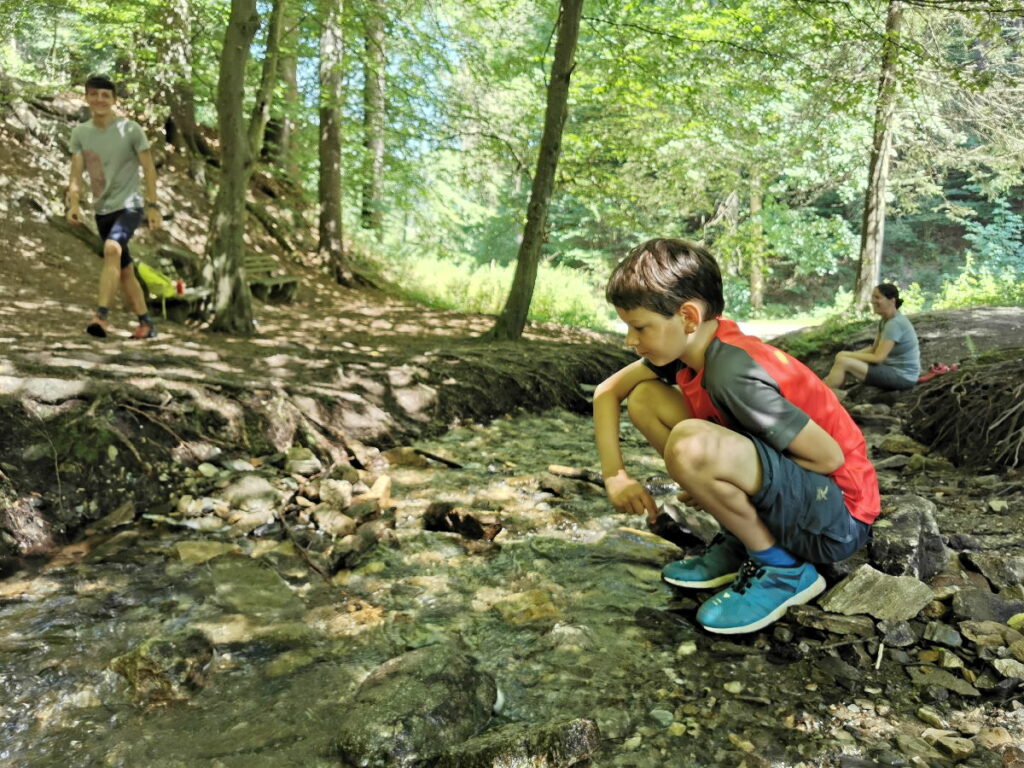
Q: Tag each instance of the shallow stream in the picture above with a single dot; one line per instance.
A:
(565, 610)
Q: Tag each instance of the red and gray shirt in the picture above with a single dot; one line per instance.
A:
(752, 387)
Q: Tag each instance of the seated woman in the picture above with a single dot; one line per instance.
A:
(893, 360)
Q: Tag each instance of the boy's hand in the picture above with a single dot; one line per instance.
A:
(629, 496)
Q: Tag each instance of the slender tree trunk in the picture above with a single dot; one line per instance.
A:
(757, 259)
(512, 320)
(174, 84)
(374, 65)
(277, 144)
(872, 234)
(331, 243)
(232, 300)
(268, 81)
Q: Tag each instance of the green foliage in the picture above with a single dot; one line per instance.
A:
(997, 245)
(561, 295)
(981, 286)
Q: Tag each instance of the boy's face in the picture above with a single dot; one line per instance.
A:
(658, 338)
(100, 100)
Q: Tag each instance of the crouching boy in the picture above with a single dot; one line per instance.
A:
(751, 435)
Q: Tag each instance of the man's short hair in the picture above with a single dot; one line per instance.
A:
(101, 82)
(662, 274)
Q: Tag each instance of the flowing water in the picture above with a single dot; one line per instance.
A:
(565, 610)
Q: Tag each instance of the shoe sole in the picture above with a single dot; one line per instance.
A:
(718, 581)
(803, 596)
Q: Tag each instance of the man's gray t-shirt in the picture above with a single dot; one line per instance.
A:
(905, 357)
(111, 157)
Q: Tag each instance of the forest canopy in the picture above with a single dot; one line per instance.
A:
(753, 125)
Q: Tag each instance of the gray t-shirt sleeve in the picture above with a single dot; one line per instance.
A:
(76, 141)
(749, 397)
(137, 137)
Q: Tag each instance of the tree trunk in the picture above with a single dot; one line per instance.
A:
(512, 320)
(277, 144)
(757, 259)
(232, 300)
(174, 85)
(373, 117)
(331, 245)
(268, 80)
(872, 234)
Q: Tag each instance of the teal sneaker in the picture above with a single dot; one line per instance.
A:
(715, 568)
(759, 596)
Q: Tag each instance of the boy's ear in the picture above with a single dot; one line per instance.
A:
(692, 313)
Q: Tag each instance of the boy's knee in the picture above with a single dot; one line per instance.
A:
(641, 401)
(689, 445)
(111, 249)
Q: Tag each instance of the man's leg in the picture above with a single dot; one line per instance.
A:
(842, 366)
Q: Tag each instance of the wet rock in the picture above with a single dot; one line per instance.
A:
(301, 461)
(335, 523)
(445, 517)
(906, 540)
(405, 456)
(415, 707)
(897, 634)
(1001, 570)
(878, 595)
(978, 605)
(1009, 668)
(815, 618)
(244, 586)
(166, 669)
(336, 493)
(955, 747)
(927, 676)
(994, 738)
(558, 745)
(565, 487)
(196, 552)
(253, 494)
(630, 545)
(938, 632)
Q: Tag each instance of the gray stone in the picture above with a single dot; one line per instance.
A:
(897, 634)
(990, 634)
(906, 540)
(937, 632)
(414, 708)
(302, 461)
(876, 594)
(1009, 668)
(815, 618)
(978, 605)
(927, 676)
(242, 585)
(558, 745)
(252, 493)
(1002, 571)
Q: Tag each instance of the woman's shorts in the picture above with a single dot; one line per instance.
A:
(805, 511)
(884, 377)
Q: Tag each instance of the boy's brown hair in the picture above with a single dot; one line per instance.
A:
(661, 274)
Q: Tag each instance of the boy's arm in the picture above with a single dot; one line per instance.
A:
(74, 214)
(815, 449)
(149, 179)
(624, 492)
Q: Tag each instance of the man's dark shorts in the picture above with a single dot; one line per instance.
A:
(805, 511)
(119, 226)
(886, 377)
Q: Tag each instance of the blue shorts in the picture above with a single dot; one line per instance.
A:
(119, 226)
(805, 511)
(886, 377)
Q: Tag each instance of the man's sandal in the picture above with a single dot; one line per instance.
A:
(144, 331)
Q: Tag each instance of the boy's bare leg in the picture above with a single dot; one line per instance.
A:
(655, 408)
(133, 291)
(110, 274)
(843, 366)
(720, 470)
